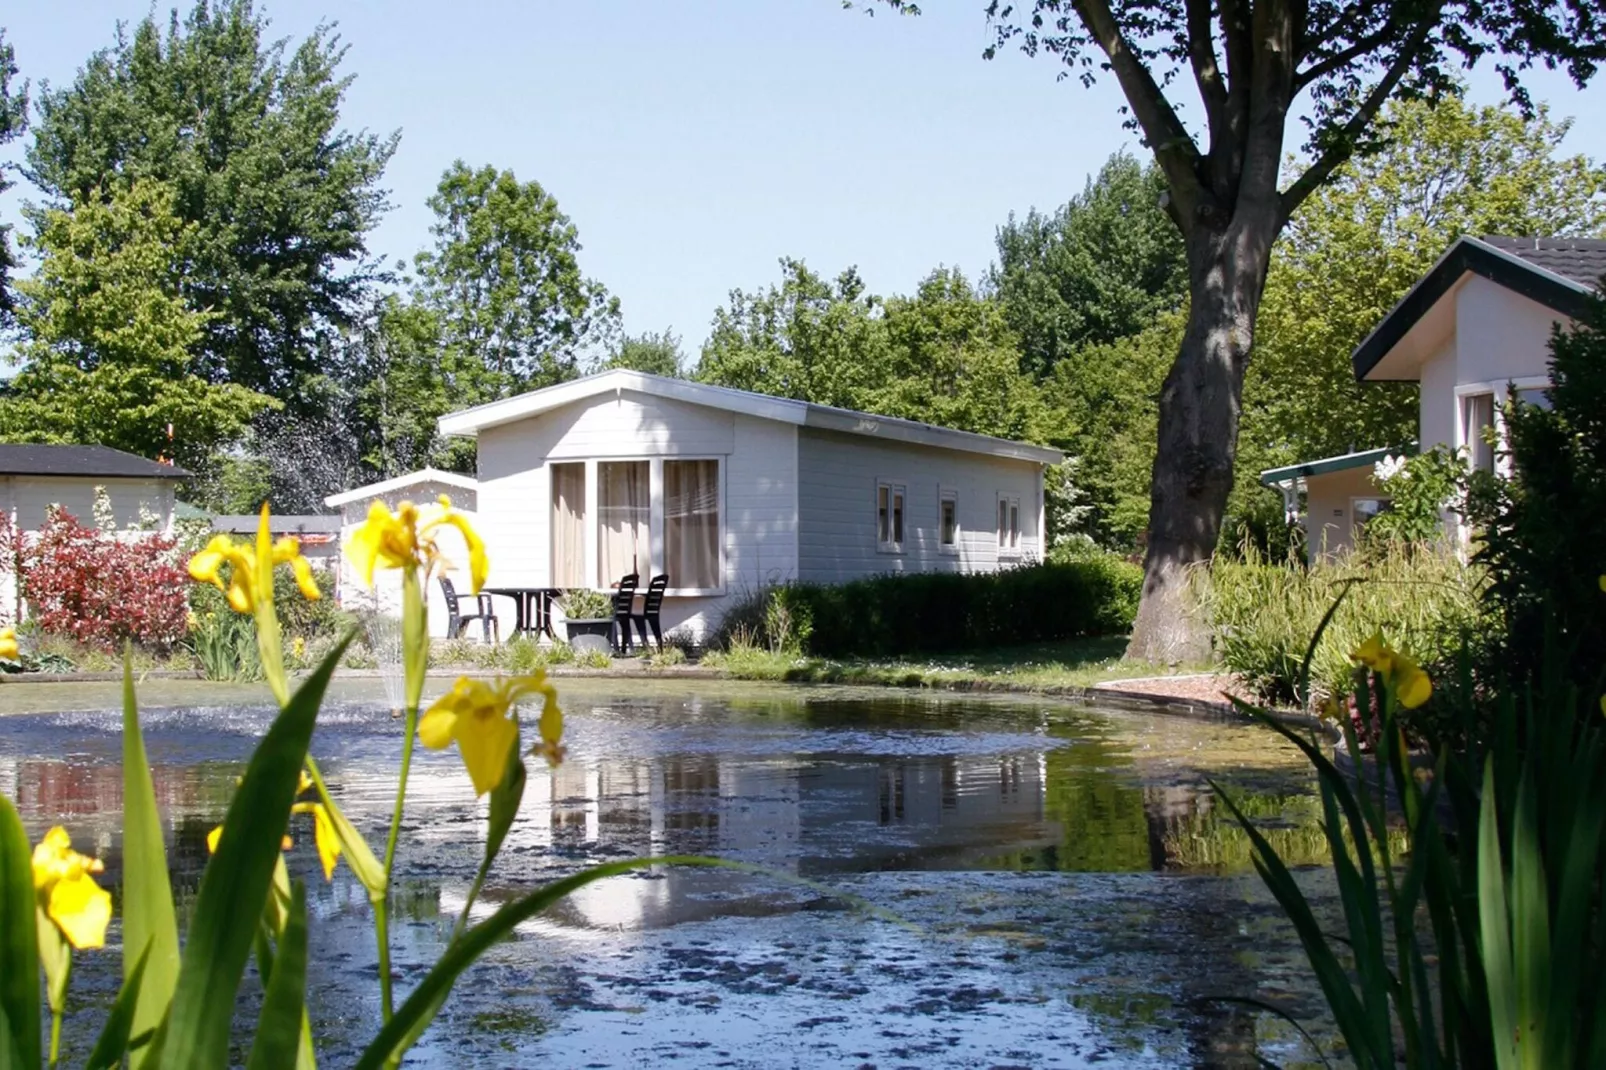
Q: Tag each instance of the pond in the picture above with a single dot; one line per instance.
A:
(1063, 888)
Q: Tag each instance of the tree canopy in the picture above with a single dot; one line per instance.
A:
(652, 352)
(504, 280)
(13, 120)
(111, 350)
(246, 132)
(1101, 268)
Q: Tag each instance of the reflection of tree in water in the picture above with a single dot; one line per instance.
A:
(691, 790)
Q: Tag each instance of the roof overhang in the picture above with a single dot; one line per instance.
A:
(1395, 349)
(470, 422)
(1294, 473)
(411, 479)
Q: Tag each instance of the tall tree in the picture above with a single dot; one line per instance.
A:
(1354, 249)
(504, 279)
(1100, 268)
(651, 352)
(248, 136)
(1252, 62)
(808, 338)
(112, 344)
(13, 120)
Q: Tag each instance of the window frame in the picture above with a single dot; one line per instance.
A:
(1356, 526)
(945, 496)
(1009, 526)
(657, 552)
(897, 494)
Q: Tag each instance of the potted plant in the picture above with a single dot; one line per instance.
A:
(588, 620)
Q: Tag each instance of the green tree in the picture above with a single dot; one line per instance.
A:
(504, 281)
(1354, 249)
(807, 338)
(248, 136)
(13, 120)
(1099, 269)
(112, 343)
(656, 354)
(952, 360)
(1255, 64)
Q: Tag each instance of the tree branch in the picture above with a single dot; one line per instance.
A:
(1342, 146)
(1202, 51)
(1173, 149)
(1342, 58)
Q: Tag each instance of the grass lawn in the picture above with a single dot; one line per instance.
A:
(1037, 667)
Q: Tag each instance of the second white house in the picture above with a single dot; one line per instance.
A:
(725, 491)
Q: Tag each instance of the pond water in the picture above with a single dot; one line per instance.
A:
(1064, 889)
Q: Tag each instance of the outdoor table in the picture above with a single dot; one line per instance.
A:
(533, 608)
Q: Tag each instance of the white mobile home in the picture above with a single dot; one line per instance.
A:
(725, 491)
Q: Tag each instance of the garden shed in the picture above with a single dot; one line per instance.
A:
(725, 491)
(424, 485)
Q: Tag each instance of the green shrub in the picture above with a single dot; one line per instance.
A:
(593, 659)
(298, 615)
(1262, 614)
(895, 615)
(225, 645)
(585, 604)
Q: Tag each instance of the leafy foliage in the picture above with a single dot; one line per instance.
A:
(939, 612)
(246, 132)
(104, 588)
(504, 280)
(13, 120)
(1543, 529)
(1262, 614)
(651, 352)
(112, 356)
(1420, 489)
(1099, 269)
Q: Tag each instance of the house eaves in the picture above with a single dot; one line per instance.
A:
(402, 482)
(1272, 477)
(470, 422)
(1467, 256)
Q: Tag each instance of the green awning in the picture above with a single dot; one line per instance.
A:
(1271, 477)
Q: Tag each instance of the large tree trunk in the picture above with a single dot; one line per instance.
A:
(1199, 409)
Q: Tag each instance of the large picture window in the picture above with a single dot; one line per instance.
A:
(691, 524)
(624, 516)
(568, 525)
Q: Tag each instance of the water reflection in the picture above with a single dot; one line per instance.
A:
(922, 806)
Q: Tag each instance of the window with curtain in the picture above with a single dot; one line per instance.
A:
(1477, 419)
(568, 525)
(691, 524)
(889, 517)
(624, 511)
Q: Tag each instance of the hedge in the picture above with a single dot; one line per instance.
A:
(930, 613)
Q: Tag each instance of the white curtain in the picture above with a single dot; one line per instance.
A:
(568, 525)
(691, 523)
(624, 510)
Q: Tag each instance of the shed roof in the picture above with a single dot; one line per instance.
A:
(1559, 273)
(1271, 477)
(766, 406)
(81, 462)
(402, 482)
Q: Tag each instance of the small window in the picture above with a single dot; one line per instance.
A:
(890, 499)
(1477, 424)
(1008, 524)
(948, 520)
(1537, 396)
(1362, 512)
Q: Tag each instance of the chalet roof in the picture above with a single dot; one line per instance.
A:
(786, 410)
(402, 482)
(81, 462)
(1272, 477)
(1559, 273)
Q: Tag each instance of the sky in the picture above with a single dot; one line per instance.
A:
(695, 142)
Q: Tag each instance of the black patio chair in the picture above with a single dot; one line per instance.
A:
(457, 621)
(624, 601)
(651, 607)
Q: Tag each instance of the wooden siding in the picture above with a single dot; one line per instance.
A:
(837, 481)
(26, 499)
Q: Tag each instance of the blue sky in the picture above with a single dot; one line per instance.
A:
(694, 142)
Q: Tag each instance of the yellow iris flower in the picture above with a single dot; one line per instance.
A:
(475, 714)
(323, 831)
(1399, 672)
(243, 573)
(406, 540)
(8, 644)
(67, 892)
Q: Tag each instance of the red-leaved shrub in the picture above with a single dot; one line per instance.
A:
(103, 588)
